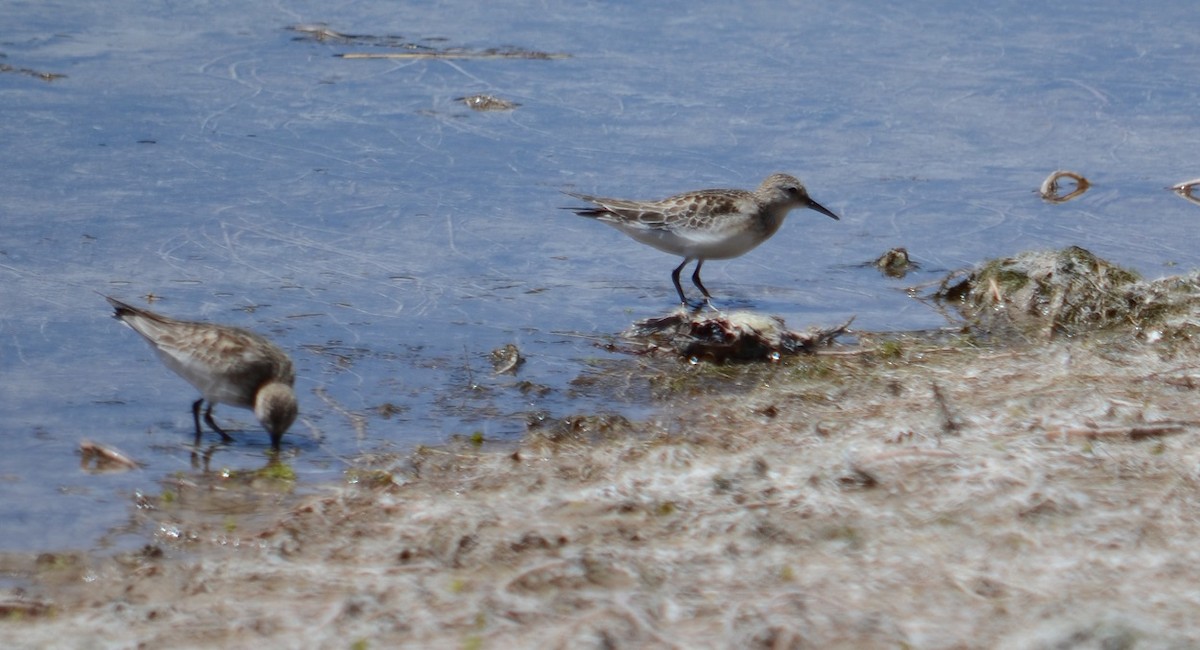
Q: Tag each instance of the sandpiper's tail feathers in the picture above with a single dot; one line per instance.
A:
(638, 215)
(582, 197)
(155, 327)
(123, 309)
(596, 211)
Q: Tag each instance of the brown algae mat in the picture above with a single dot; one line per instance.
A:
(1030, 479)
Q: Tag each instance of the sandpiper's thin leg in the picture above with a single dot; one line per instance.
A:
(212, 423)
(196, 417)
(675, 279)
(696, 281)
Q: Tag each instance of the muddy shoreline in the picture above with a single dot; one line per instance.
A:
(1043, 491)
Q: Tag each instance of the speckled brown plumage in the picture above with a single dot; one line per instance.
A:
(706, 224)
(228, 365)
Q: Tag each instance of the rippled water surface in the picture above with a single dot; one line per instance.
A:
(389, 237)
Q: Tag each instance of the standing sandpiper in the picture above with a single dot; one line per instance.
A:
(706, 224)
(226, 364)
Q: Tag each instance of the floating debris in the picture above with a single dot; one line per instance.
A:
(895, 263)
(321, 33)
(388, 409)
(729, 336)
(106, 458)
(507, 359)
(30, 72)
(1051, 188)
(458, 53)
(487, 103)
(1187, 190)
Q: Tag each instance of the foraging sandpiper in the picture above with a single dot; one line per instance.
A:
(228, 365)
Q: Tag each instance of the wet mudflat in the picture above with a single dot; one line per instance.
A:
(907, 491)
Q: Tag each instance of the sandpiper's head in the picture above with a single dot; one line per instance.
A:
(788, 190)
(275, 407)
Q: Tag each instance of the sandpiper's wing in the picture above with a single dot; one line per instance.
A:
(166, 334)
(697, 210)
(203, 352)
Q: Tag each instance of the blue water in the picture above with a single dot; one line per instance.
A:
(390, 238)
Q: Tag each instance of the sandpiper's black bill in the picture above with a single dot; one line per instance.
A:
(822, 209)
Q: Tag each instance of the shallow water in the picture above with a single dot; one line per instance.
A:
(389, 237)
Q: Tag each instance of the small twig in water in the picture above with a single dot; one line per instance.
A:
(358, 421)
(950, 424)
(515, 54)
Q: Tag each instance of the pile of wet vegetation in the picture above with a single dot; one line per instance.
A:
(1038, 295)
(1069, 292)
(720, 337)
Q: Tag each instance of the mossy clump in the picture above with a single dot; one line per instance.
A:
(1061, 293)
(277, 472)
(895, 263)
(891, 349)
